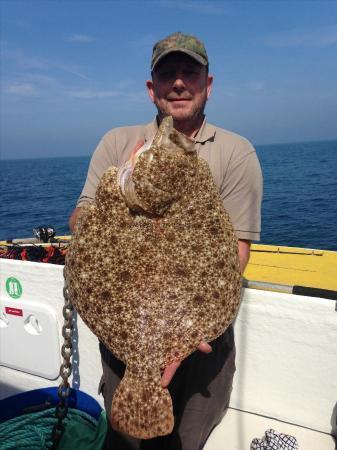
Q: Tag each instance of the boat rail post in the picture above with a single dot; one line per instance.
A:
(306, 291)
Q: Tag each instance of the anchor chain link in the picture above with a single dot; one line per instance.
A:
(65, 370)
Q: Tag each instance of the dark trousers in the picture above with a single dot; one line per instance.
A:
(200, 391)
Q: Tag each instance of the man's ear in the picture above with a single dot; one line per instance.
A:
(209, 85)
(150, 89)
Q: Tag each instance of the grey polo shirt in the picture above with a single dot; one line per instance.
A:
(231, 158)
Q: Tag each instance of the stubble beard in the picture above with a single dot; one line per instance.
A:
(191, 120)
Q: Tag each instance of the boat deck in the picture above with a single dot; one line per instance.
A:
(293, 266)
(238, 428)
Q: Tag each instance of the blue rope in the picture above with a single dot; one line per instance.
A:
(33, 431)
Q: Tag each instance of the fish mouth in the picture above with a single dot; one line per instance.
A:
(124, 176)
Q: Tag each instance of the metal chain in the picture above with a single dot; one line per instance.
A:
(65, 369)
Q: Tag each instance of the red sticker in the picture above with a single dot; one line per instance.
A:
(13, 311)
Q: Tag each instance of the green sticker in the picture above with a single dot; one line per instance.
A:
(13, 287)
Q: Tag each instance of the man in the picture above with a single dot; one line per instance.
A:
(180, 86)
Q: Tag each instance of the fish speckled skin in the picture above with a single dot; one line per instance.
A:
(153, 280)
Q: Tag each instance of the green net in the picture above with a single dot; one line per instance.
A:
(33, 431)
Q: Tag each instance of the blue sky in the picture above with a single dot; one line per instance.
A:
(71, 70)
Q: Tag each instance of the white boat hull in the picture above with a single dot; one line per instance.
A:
(286, 354)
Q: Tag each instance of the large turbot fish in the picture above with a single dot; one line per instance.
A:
(153, 270)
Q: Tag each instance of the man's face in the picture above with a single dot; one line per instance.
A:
(180, 87)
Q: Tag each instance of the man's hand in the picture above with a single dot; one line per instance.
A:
(170, 370)
(73, 219)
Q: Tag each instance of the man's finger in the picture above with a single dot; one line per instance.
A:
(169, 372)
(204, 347)
(171, 369)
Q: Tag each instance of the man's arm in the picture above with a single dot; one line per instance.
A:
(244, 253)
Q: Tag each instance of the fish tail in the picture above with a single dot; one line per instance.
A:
(141, 407)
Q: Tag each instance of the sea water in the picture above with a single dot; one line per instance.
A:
(299, 206)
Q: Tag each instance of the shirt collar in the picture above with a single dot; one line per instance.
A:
(150, 130)
(205, 133)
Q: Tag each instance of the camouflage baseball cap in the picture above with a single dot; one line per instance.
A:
(179, 42)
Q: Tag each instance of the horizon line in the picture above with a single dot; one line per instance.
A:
(89, 155)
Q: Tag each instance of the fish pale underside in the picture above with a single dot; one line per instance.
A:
(153, 270)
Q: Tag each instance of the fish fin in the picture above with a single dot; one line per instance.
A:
(141, 407)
